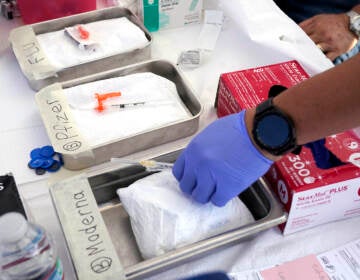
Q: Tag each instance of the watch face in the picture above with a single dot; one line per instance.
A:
(273, 131)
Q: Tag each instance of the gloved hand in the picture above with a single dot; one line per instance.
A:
(220, 162)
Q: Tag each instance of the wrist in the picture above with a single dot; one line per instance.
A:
(249, 122)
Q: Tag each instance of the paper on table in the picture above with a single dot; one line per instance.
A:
(307, 268)
(278, 37)
(342, 262)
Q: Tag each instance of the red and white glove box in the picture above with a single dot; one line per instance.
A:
(310, 195)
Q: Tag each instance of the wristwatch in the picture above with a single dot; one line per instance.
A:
(273, 130)
(354, 22)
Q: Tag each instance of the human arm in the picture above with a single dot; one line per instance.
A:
(331, 33)
(323, 105)
(223, 160)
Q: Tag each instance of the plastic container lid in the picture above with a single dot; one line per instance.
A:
(13, 227)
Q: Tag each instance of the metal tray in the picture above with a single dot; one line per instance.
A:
(77, 154)
(261, 202)
(38, 69)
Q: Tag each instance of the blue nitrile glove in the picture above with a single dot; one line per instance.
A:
(323, 157)
(220, 162)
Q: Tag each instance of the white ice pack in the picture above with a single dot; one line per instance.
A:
(111, 36)
(163, 218)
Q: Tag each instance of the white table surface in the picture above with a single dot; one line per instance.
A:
(246, 41)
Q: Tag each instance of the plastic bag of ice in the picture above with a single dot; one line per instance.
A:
(163, 218)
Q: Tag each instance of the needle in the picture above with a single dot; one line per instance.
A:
(150, 165)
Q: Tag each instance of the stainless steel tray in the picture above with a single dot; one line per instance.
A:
(77, 154)
(32, 60)
(261, 202)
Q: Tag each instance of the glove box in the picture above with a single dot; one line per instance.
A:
(99, 235)
(41, 71)
(77, 151)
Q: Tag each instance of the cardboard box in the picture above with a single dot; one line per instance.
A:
(163, 14)
(179, 13)
(247, 88)
(314, 196)
(310, 195)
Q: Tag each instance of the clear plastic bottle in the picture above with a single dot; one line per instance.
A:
(26, 251)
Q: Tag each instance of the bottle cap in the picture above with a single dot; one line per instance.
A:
(35, 153)
(42, 158)
(47, 151)
(55, 166)
(40, 171)
(47, 163)
(13, 227)
(35, 163)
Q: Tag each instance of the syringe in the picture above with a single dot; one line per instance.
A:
(150, 165)
(141, 103)
(127, 105)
